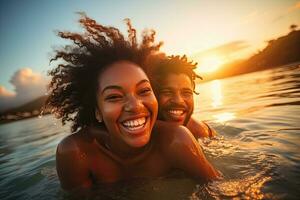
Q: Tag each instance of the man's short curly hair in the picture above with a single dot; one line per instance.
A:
(72, 90)
(165, 65)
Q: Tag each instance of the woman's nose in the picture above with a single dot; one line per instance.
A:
(133, 104)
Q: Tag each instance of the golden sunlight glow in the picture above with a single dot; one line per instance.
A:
(217, 96)
(224, 117)
(209, 64)
(251, 186)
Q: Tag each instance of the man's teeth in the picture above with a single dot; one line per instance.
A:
(135, 124)
(176, 112)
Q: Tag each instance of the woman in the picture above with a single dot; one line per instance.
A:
(101, 87)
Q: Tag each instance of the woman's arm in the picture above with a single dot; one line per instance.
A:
(72, 166)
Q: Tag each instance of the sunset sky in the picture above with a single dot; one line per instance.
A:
(213, 31)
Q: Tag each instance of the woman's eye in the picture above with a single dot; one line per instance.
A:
(113, 98)
(145, 91)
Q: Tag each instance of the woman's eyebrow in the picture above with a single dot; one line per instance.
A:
(142, 81)
(116, 87)
(111, 87)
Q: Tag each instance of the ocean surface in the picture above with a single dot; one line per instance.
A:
(256, 115)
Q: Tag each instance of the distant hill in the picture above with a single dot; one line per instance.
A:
(36, 104)
(27, 110)
(280, 51)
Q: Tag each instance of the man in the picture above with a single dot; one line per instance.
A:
(173, 80)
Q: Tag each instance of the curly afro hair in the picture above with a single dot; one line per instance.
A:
(72, 90)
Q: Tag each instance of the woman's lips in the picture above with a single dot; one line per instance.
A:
(135, 126)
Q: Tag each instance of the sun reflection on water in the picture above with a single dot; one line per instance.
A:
(247, 188)
(224, 117)
(217, 96)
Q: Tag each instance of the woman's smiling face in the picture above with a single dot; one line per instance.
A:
(126, 104)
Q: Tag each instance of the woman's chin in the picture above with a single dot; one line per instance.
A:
(138, 137)
(140, 141)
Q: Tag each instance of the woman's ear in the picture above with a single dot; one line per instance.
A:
(98, 115)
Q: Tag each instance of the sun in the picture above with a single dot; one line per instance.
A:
(209, 64)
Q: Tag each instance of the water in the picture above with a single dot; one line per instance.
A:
(257, 116)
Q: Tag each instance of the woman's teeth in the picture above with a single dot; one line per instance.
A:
(176, 112)
(135, 124)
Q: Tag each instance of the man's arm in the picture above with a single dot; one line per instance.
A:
(71, 166)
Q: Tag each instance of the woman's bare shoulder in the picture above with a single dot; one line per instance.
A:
(183, 151)
(71, 162)
(200, 128)
(170, 134)
(73, 143)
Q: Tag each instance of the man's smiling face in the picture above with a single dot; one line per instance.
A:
(175, 98)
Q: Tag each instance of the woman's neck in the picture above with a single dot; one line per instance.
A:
(127, 154)
(119, 151)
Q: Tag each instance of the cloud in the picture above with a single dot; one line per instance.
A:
(6, 93)
(226, 50)
(28, 86)
(6, 97)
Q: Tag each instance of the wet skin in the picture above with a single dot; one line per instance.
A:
(127, 106)
(176, 104)
(132, 143)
